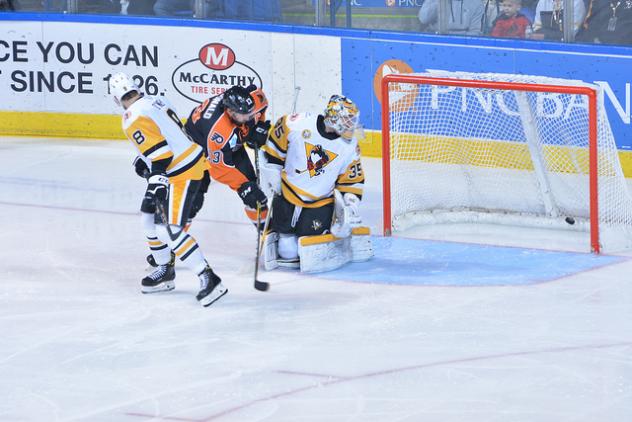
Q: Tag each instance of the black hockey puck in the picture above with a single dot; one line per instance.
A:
(570, 220)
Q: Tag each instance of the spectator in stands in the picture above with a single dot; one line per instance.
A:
(492, 11)
(9, 5)
(510, 23)
(174, 7)
(608, 22)
(548, 23)
(464, 16)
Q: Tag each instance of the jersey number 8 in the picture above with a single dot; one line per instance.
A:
(138, 137)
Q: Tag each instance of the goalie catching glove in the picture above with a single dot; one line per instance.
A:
(258, 135)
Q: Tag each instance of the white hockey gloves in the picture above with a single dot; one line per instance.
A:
(361, 245)
(352, 204)
(270, 175)
(347, 214)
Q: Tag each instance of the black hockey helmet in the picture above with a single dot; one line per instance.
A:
(239, 100)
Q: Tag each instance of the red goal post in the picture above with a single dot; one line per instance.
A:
(442, 81)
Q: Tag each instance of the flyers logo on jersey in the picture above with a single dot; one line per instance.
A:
(317, 159)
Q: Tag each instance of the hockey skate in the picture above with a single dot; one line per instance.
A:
(152, 262)
(161, 280)
(211, 288)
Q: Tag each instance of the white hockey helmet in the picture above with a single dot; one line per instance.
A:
(121, 85)
(342, 115)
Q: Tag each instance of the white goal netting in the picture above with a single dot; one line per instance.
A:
(503, 155)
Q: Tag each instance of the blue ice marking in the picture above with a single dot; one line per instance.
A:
(434, 263)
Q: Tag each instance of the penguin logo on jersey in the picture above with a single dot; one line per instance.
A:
(317, 159)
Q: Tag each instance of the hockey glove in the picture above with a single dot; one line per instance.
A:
(271, 177)
(141, 168)
(352, 204)
(251, 194)
(258, 135)
(157, 187)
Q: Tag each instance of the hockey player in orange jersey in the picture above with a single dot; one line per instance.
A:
(176, 168)
(222, 125)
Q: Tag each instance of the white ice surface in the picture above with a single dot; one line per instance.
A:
(79, 342)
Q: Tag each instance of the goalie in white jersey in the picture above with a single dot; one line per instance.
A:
(175, 167)
(313, 163)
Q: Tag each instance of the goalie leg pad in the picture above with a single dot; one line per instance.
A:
(288, 251)
(270, 255)
(361, 246)
(322, 253)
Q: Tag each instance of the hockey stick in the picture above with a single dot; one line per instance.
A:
(162, 212)
(260, 285)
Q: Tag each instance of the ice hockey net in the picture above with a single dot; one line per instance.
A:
(506, 149)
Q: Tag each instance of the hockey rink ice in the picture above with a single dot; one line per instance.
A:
(429, 331)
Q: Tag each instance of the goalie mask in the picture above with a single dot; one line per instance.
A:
(120, 86)
(239, 104)
(342, 115)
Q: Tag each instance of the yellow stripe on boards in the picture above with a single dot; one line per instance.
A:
(61, 125)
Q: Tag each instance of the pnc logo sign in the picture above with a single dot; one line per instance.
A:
(217, 56)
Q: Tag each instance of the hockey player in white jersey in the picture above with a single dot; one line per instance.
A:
(313, 163)
(176, 167)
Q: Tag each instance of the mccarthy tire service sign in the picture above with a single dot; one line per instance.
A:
(214, 71)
